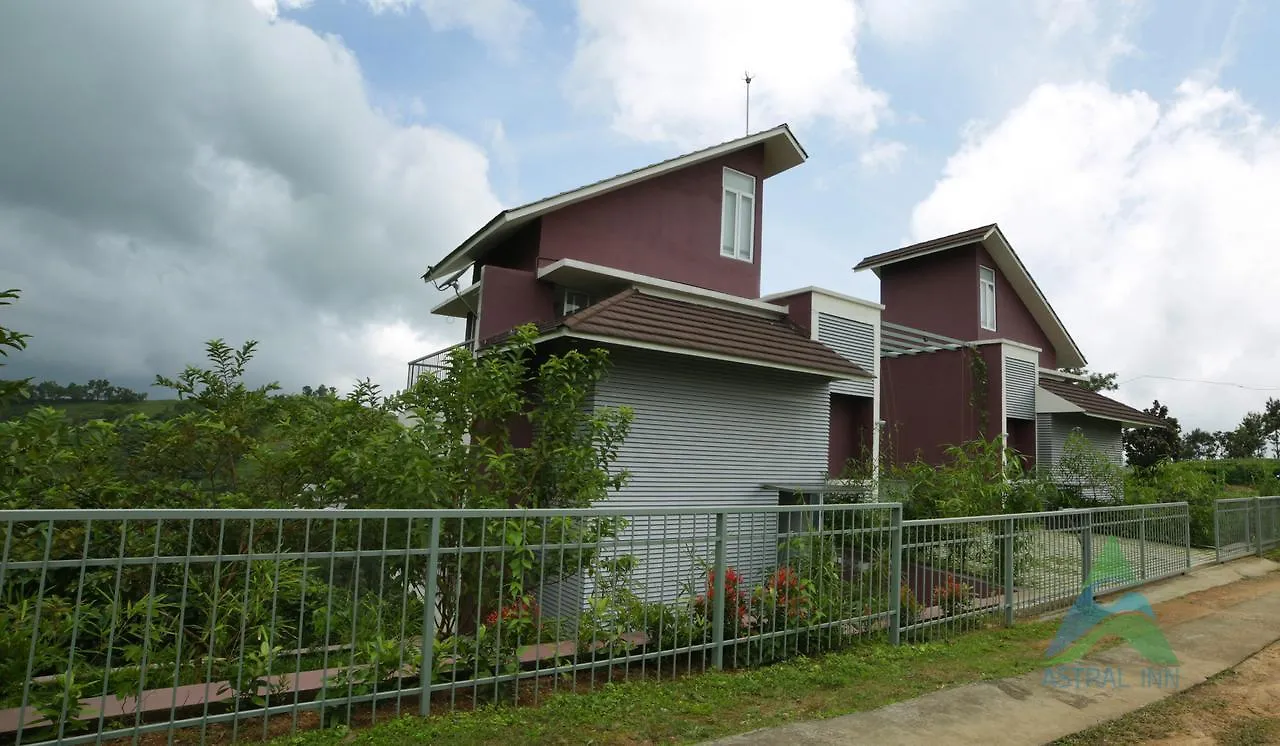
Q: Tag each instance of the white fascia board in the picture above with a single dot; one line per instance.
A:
(827, 293)
(1053, 373)
(775, 164)
(1032, 297)
(449, 307)
(1018, 351)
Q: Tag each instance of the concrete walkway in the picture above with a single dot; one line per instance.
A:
(1028, 710)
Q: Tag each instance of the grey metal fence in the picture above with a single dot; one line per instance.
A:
(1246, 525)
(226, 625)
(957, 570)
(247, 624)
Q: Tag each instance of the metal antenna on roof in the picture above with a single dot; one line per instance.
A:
(747, 77)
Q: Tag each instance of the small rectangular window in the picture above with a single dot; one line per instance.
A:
(574, 301)
(987, 297)
(738, 216)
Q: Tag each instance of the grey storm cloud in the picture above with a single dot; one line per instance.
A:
(172, 172)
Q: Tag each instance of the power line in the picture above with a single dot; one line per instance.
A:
(1201, 380)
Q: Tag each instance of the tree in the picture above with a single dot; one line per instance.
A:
(1248, 440)
(1145, 447)
(1200, 444)
(1271, 420)
(15, 341)
(1094, 381)
(1088, 471)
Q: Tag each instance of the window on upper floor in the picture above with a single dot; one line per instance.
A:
(738, 216)
(987, 297)
(572, 301)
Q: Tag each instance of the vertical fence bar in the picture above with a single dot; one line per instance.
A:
(895, 575)
(717, 623)
(1007, 567)
(1217, 532)
(1257, 522)
(429, 617)
(1142, 541)
(1086, 549)
(1186, 531)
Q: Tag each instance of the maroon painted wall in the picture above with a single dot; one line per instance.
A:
(667, 227)
(993, 356)
(511, 297)
(517, 251)
(799, 310)
(939, 293)
(924, 400)
(936, 293)
(1013, 320)
(1022, 438)
(850, 430)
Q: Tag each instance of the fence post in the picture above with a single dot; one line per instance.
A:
(429, 617)
(895, 574)
(1257, 523)
(717, 618)
(1217, 532)
(1142, 540)
(1086, 549)
(1187, 533)
(1008, 572)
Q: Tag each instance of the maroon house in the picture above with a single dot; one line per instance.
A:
(971, 348)
(737, 398)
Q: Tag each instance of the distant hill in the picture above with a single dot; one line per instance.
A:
(83, 411)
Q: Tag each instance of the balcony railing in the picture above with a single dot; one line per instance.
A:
(435, 363)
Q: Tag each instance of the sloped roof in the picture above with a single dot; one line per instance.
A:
(1001, 251)
(782, 151)
(1097, 405)
(636, 316)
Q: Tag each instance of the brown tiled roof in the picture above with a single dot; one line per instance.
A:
(641, 317)
(972, 235)
(1096, 404)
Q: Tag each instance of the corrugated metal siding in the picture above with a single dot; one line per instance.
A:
(1019, 388)
(1052, 431)
(710, 433)
(856, 342)
(1047, 451)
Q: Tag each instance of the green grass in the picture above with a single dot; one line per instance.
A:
(709, 705)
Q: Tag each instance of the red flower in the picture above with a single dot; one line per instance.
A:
(523, 608)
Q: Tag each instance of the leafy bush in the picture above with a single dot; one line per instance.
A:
(1177, 482)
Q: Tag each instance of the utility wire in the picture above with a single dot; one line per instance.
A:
(1200, 380)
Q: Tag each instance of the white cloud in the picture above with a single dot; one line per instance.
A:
(997, 51)
(245, 188)
(499, 23)
(271, 8)
(882, 156)
(912, 22)
(1150, 226)
(671, 70)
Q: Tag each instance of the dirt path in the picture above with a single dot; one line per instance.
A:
(1240, 707)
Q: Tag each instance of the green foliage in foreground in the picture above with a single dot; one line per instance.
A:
(702, 706)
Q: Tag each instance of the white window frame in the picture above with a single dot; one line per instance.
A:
(736, 246)
(573, 301)
(987, 298)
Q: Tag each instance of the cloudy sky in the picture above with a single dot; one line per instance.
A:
(284, 170)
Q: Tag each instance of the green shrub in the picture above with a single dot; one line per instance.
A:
(1178, 482)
